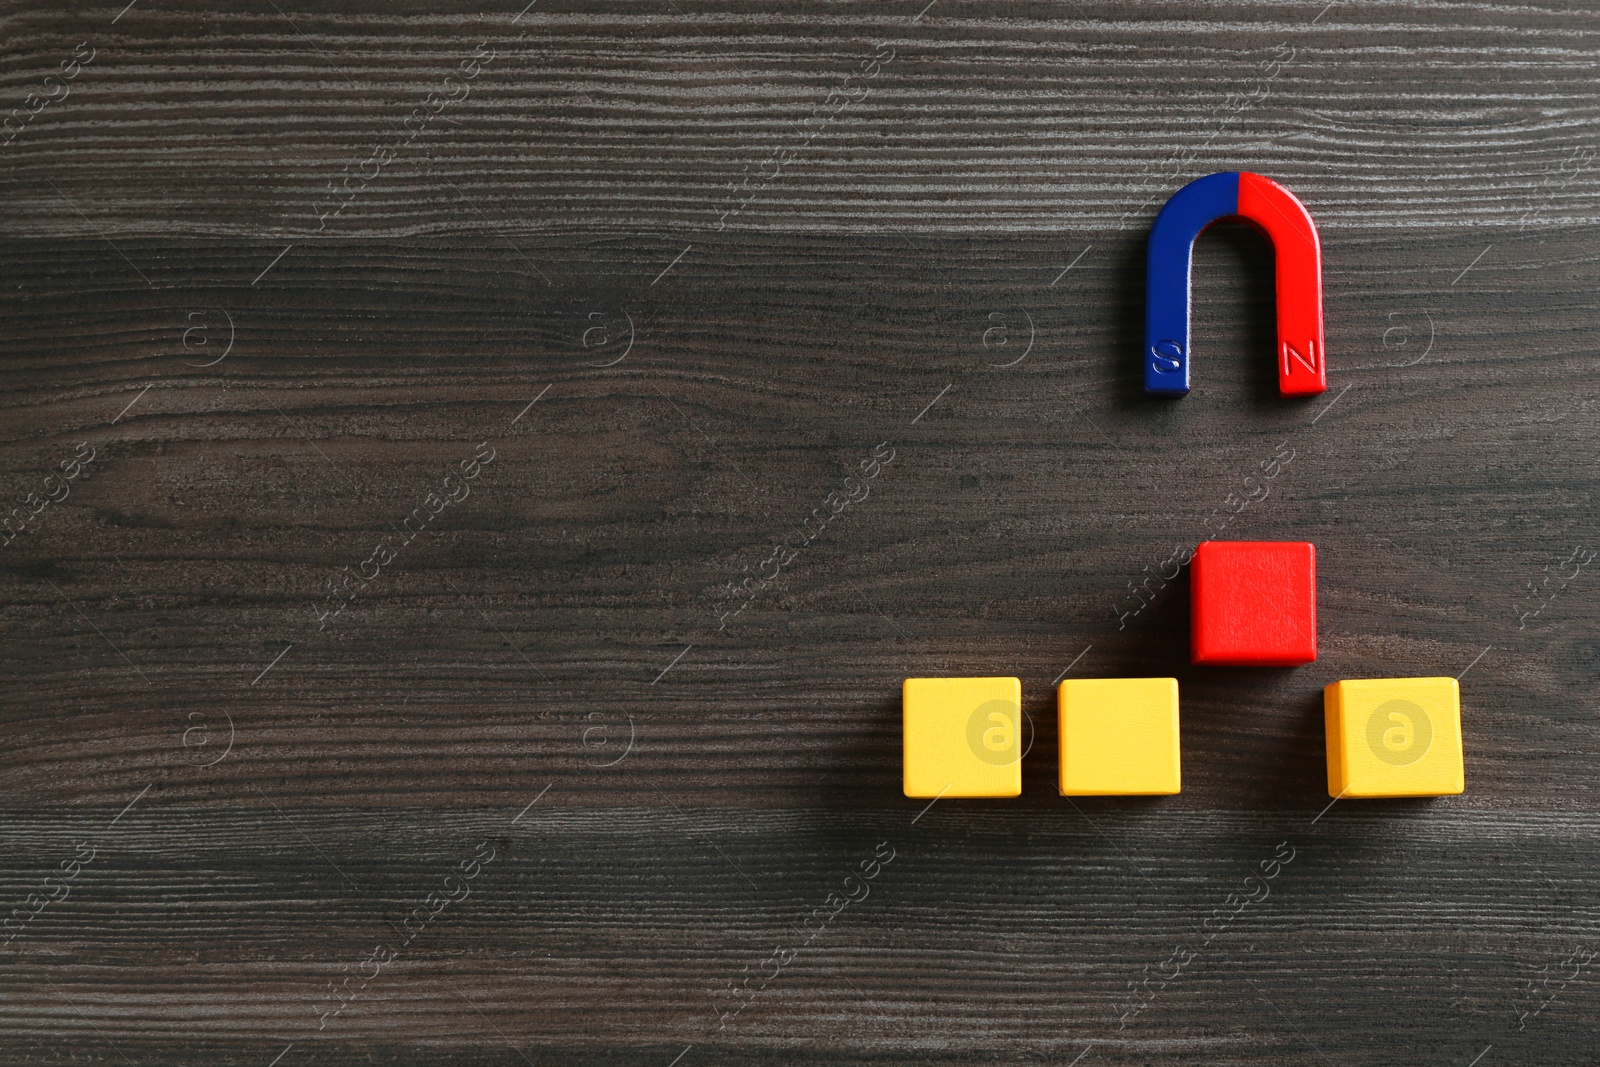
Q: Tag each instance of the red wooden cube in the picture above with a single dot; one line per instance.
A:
(1255, 603)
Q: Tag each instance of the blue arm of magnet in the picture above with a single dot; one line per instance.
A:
(1166, 302)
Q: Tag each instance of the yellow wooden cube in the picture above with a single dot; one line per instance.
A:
(1119, 736)
(963, 737)
(1394, 737)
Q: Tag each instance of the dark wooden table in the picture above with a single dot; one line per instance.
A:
(402, 407)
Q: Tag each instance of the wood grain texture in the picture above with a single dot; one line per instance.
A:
(672, 367)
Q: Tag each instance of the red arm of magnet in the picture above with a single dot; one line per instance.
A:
(1302, 359)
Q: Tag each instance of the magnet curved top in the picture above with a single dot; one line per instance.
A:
(1272, 209)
